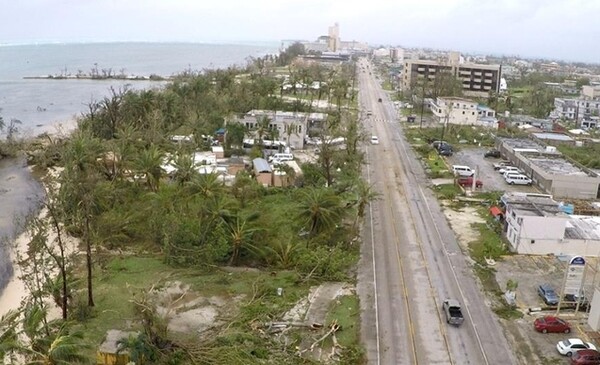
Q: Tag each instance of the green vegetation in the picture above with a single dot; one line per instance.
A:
(141, 229)
(588, 155)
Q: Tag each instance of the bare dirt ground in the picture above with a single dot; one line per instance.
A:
(312, 310)
(462, 224)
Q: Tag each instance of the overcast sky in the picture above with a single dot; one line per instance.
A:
(562, 29)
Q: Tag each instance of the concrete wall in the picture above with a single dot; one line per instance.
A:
(594, 317)
(579, 187)
(554, 247)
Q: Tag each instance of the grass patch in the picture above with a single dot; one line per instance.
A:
(346, 311)
(508, 312)
(121, 277)
(489, 244)
(447, 191)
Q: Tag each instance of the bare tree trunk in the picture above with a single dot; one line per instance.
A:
(88, 257)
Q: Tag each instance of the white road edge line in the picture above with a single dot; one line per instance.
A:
(373, 257)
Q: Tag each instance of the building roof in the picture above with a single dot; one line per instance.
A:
(541, 205)
(261, 165)
(553, 137)
(583, 227)
(557, 166)
(519, 143)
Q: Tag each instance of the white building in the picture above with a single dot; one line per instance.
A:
(463, 112)
(289, 127)
(536, 225)
(576, 109)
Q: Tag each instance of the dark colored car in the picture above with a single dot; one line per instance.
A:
(492, 153)
(379, 100)
(586, 357)
(548, 294)
(551, 324)
(447, 151)
(573, 299)
(467, 181)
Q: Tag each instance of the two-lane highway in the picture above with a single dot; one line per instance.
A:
(411, 260)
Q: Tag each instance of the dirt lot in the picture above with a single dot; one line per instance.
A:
(492, 180)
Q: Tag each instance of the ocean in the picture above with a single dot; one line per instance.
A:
(41, 104)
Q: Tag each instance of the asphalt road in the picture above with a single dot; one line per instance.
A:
(411, 261)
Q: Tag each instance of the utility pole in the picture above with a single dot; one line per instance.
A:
(422, 105)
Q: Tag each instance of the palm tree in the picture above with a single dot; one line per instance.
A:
(240, 233)
(9, 338)
(185, 168)
(320, 209)
(149, 163)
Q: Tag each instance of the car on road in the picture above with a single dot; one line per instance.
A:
(467, 181)
(551, 324)
(572, 345)
(586, 357)
(547, 293)
(492, 153)
(453, 312)
(379, 100)
(369, 113)
(374, 140)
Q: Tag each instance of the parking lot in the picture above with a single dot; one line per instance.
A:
(529, 272)
(492, 179)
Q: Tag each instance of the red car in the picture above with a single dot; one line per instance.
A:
(468, 182)
(551, 324)
(586, 357)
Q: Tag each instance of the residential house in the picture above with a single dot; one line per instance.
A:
(576, 108)
(289, 127)
(462, 111)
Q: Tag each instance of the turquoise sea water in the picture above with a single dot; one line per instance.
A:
(41, 103)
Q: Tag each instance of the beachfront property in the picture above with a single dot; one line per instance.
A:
(476, 79)
(288, 127)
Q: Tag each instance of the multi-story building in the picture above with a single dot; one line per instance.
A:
(462, 111)
(576, 109)
(590, 91)
(477, 79)
(289, 127)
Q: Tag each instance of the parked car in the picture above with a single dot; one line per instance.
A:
(572, 345)
(501, 164)
(445, 151)
(503, 170)
(492, 153)
(572, 300)
(518, 179)
(551, 324)
(467, 181)
(438, 144)
(374, 140)
(548, 294)
(586, 357)
(461, 170)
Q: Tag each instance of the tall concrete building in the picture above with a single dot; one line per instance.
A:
(334, 38)
(477, 79)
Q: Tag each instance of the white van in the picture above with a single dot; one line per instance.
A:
(518, 180)
(281, 157)
(509, 173)
(462, 170)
